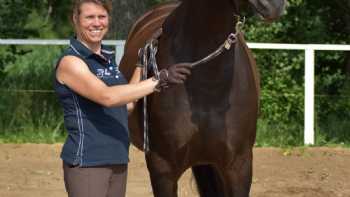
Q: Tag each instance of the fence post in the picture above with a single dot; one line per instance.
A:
(119, 51)
(309, 102)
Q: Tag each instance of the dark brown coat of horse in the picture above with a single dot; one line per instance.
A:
(209, 123)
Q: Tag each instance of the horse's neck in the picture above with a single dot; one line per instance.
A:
(200, 28)
(208, 18)
(195, 32)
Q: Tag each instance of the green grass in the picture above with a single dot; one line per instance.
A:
(331, 133)
(33, 135)
(47, 129)
(30, 117)
(278, 135)
(334, 134)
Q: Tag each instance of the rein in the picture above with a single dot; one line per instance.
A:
(231, 39)
(147, 60)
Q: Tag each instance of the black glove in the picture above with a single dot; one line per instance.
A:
(175, 74)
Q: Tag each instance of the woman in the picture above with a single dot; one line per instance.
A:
(96, 98)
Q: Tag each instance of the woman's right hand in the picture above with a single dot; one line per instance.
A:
(175, 74)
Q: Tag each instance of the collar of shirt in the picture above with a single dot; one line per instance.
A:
(82, 50)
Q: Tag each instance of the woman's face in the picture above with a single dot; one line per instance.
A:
(92, 23)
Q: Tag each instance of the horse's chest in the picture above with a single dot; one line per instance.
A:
(210, 123)
(209, 106)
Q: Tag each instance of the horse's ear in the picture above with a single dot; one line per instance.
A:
(269, 10)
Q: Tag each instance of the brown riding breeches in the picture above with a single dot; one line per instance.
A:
(99, 181)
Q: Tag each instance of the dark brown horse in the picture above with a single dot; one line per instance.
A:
(209, 123)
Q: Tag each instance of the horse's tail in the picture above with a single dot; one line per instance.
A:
(208, 181)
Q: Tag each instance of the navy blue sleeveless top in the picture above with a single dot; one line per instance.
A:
(97, 135)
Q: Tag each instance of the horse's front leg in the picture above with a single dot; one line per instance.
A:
(163, 176)
(238, 175)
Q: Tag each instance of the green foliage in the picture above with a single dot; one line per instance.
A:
(23, 19)
(26, 113)
(13, 18)
(282, 92)
(60, 18)
(280, 134)
(35, 63)
(282, 96)
(33, 135)
(27, 101)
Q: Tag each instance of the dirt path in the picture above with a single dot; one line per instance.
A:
(35, 171)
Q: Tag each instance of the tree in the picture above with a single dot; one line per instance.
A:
(125, 13)
(305, 21)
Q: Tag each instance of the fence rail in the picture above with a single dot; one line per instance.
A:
(309, 85)
(118, 44)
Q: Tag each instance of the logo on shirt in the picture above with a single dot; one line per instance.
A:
(103, 72)
(110, 72)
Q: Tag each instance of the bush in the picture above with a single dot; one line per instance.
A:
(28, 102)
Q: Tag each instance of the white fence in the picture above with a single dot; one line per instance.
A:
(310, 49)
(309, 79)
(119, 44)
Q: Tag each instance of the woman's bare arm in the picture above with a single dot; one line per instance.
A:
(74, 73)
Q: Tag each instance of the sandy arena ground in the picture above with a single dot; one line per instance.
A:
(35, 171)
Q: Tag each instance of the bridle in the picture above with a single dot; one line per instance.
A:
(147, 60)
(226, 45)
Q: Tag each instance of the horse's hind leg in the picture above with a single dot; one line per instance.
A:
(238, 176)
(208, 181)
(163, 176)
